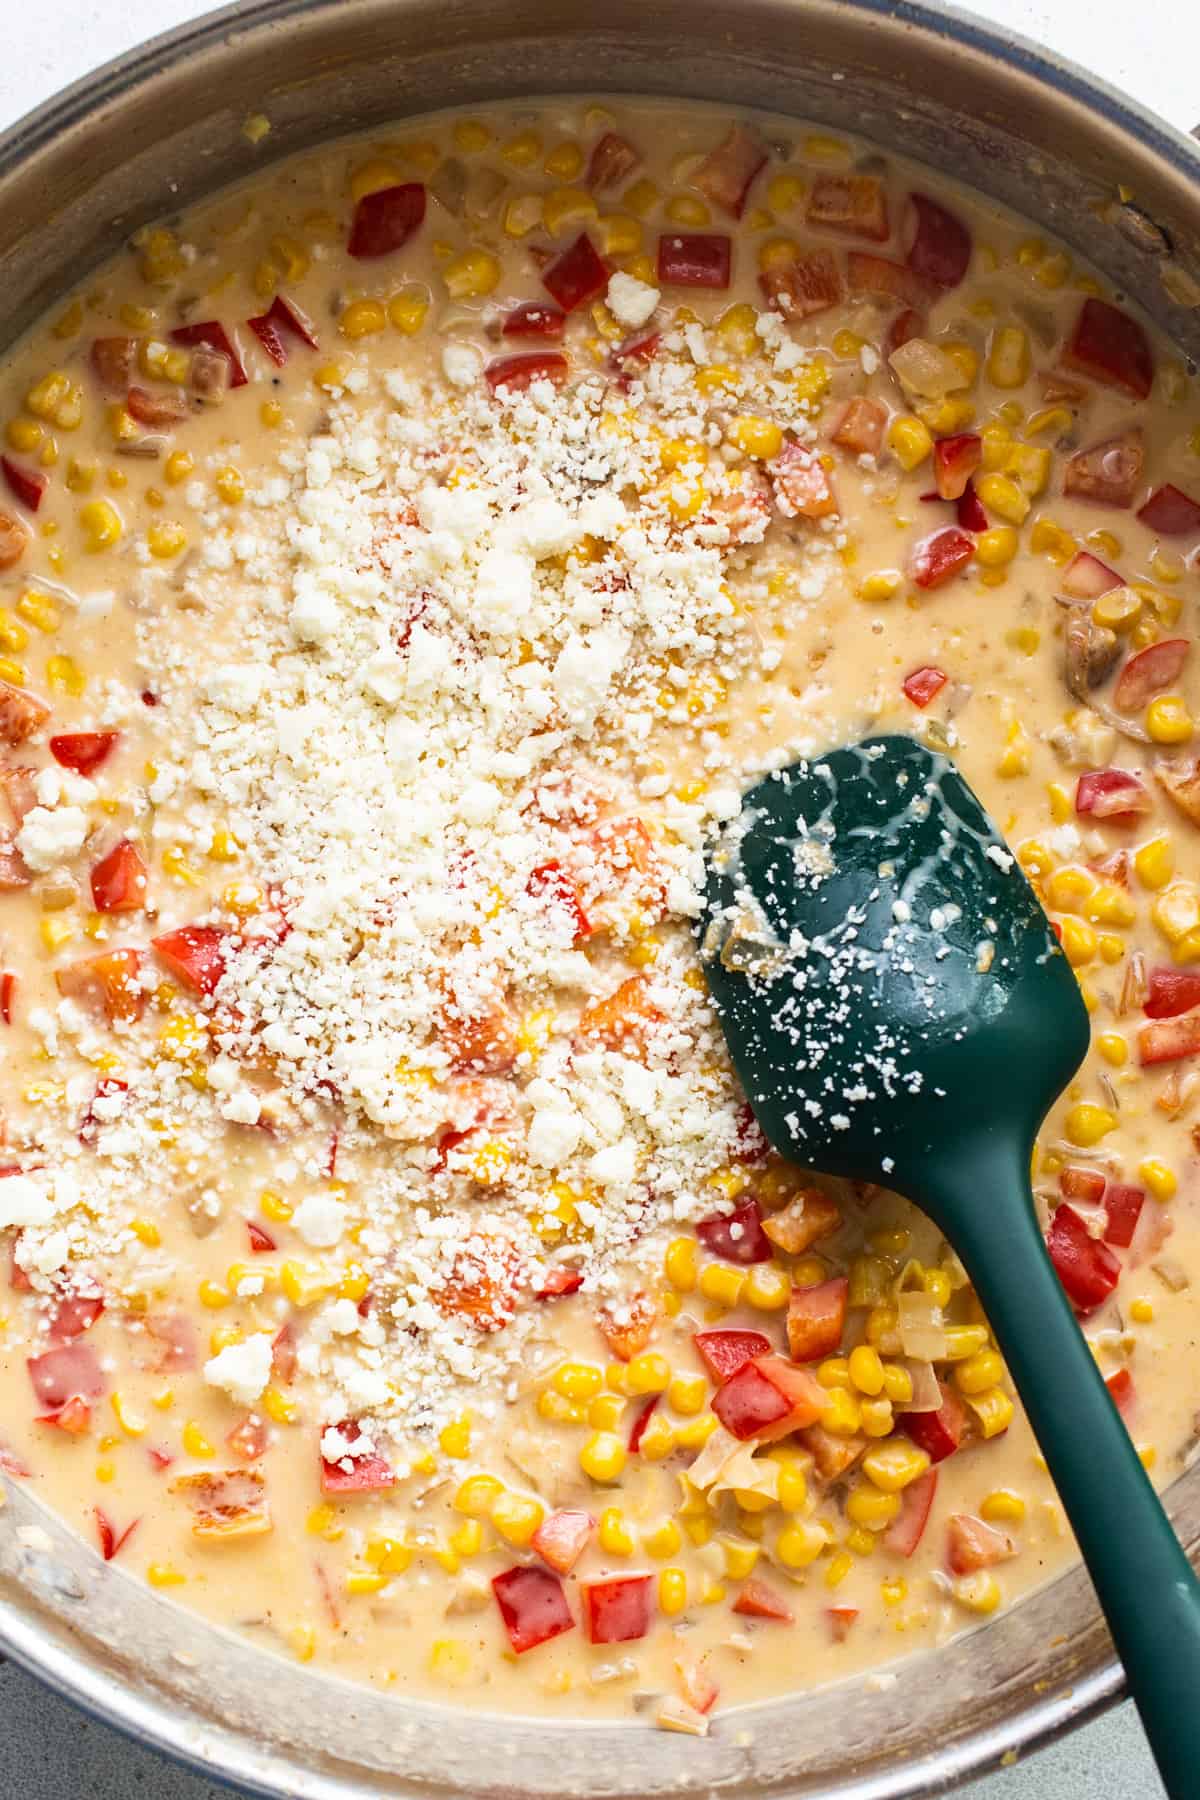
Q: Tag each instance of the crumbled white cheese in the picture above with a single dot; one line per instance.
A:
(630, 300)
(242, 1370)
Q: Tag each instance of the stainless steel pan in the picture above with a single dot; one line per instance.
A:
(161, 126)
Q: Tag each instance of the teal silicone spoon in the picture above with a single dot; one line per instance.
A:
(898, 1011)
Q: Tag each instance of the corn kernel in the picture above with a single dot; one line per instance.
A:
(455, 1438)
(1079, 942)
(101, 525)
(194, 1441)
(720, 1282)
(273, 1206)
(760, 438)
(614, 1535)
(996, 547)
(672, 1592)
(278, 1407)
(662, 1540)
(841, 1415)
(522, 150)
(1002, 1506)
(477, 1495)
(1001, 495)
(605, 1411)
(602, 1458)
(767, 1287)
(577, 1381)
(471, 275)
(983, 1370)
(865, 1368)
(792, 1492)
(739, 1558)
(883, 585)
(894, 1464)
(978, 1593)
(516, 1517)
(1160, 1180)
(1086, 1124)
(871, 1508)
(1168, 720)
(897, 1383)
(993, 1409)
(130, 1422)
(1113, 1049)
(909, 440)
(162, 1575)
(1069, 889)
(1008, 357)
(800, 1543)
(648, 1373)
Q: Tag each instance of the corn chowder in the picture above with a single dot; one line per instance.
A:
(406, 561)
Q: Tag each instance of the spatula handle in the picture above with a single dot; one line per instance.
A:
(1143, 1580)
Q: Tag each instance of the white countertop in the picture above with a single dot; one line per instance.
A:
(50, 1750)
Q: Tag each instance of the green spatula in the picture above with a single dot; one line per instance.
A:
(898, 1011)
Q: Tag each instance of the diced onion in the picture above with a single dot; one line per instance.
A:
(922, 1327)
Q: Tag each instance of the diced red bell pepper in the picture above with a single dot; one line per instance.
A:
(955, 460)
(1110, 347)
(119, 880)
(975, 1545)
(841, 1618)
(1081, 1184)
(868, 274)
(1111, 794)
(758, 1600)
(1169, 511)
(157, 411)
(114, 359)
(807, 284)
(643, 1417)
(618, 1610)
(694, 259)
(580, 274)
(367, 1474)
(213, 335)
(1109, 473)
(1123, 1207)
(110, 983)
(1169, 1040)
(938, 1433)
(725, 1352)
(916, 1502)
(613, 158)
(904, 327)
(74, 1417)
(1086, 577)
(969, 511)
(561, 1539)
(534, 320)
(533, 1607)
(550, 882)
(69, 1372)
(261, 1242)
(557, 1283)
(939, 557)
(176, 1335)
(385, 220)
(1085, 1265)
(924, 685)
(282, 320)
(737, 1237)
(283, 1354)
(26, 485)
(768, 1398)
(73, 1315)
(801, 484)
(727, 173)
(641, 347)
(112, 1541)
(8, 994)
(854, 205)
(941, 247)
(860, 428)
(1171, 992)
(1121, 1388)
(83, 751)
(816, 1319)
(516, 373)
(249, 1438)
(1151, 670)
(196, 953)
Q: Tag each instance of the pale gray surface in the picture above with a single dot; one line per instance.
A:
(50, 1751)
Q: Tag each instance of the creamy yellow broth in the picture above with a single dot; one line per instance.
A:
(368, 1132)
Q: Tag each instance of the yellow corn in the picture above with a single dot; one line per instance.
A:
(1168, 720)
(1160, 1180)
(614, 1535)
(477, 1495)
(1002, 1506)
(194, 1441)
(871, 1508)
(909, 440)
(720, 1282)
(767, 1287)
(1086, 1124)
(892, 1465)
(1008, 357)
(978, 1593)
(471, 275)
(516, 1517)
(602, 1458)
(756, 437)
(993, 1409)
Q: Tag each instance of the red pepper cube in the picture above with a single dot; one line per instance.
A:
(955, 460)
(938, 1433)
(816, 1319)
(26, 485)
(119, 880)
(695, 259)
(725, 1352)
(533, 1607)
(1111, 794)
(195, 953)
(1169, 511)
(1171, 992)
(1169, 1040)
(940, 251)
(916, 1502)
(1152, 670)
(736, 1237)
(580, 274)
(758, 1600)
(618, 1611)
(210, 334)
(974, 1545)
(385, 220)
(1123, 1208)
(83, 751)
(613, 158)
(1086, 577)
(1110, 347)
(367, 1474)
(1085, 1265)
(969, 511)
(282, 320)
(924, 685)
(516, 373)
(768, 1398)
(937, 558)
(70, 1372)
(561, 1539)
(534, 320)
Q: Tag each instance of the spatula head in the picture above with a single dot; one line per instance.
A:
(884, 972)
